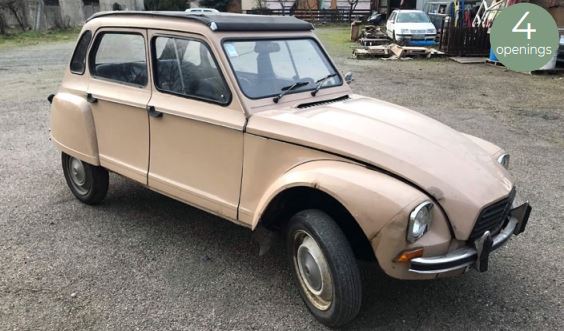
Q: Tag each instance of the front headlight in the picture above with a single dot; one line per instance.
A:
(503, 159)
(431, 31)
(404, 31)
(419, 221)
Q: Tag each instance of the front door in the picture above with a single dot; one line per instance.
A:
(196, 126)
(119, 91)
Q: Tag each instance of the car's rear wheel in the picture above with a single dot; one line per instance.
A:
(88, 183)
(324, 267)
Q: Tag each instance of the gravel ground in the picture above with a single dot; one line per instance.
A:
(144, 261)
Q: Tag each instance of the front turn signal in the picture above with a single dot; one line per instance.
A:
(408, 255)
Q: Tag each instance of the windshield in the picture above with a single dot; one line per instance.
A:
(412, 17)
(264, 67)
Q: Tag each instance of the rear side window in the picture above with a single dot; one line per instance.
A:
(78, 61)
(120, 57)
(187, 67)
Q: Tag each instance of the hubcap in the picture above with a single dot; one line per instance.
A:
(78, 175)
(313, 270)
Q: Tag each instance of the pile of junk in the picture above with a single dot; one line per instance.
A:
(373, 42)
(458, 29)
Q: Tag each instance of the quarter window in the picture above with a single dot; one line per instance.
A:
(186, 67)
(120, 57)
(78, 61)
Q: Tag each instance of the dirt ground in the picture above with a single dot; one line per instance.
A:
(144, 261)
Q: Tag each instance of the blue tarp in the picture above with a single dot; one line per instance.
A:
(421, 43)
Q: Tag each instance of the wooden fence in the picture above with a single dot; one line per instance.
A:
(317, 15)
(464, 41)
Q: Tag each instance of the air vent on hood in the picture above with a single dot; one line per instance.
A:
(324, 102)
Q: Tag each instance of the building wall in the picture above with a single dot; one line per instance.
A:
(68, 12)
(72, 12)
(125, 4)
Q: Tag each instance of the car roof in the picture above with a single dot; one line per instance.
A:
(221, 22)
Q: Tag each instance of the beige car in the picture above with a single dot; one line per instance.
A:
(247, 117)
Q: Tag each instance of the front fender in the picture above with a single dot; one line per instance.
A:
(72, 127)
(379, 203)
(371, 197)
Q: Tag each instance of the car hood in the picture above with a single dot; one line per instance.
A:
(462, 176)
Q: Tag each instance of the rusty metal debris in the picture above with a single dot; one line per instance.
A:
(395, 50)
(374, 43)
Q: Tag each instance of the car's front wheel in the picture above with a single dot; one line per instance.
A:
(324, 267)
(87, 182)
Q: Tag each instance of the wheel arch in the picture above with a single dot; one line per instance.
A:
(291, 200)
(72, 127)
(364, 200)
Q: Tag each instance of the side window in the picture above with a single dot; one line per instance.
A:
(187, 67)
(120, 57)
(78, 61)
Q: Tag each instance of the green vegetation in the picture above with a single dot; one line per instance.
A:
(35, 37)
(336, 39)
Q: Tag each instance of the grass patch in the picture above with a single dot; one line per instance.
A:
(35, 37)
(336, 39)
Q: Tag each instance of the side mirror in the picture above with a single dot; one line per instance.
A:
(349, 77)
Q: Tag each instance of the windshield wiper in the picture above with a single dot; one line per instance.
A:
(287, 89)
(320, 83)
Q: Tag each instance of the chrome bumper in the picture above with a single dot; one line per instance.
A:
(478, 255)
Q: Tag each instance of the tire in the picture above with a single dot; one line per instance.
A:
(88, 183)
(400, 43)
(324, 267)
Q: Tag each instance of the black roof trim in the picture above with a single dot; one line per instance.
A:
(224, 22)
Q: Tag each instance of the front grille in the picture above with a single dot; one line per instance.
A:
(492, 217)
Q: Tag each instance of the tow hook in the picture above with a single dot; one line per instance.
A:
(483, 248)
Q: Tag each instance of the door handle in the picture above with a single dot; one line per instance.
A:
(154, 112)
(90, 98)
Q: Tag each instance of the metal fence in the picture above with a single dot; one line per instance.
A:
(317, 15)
(464, 41)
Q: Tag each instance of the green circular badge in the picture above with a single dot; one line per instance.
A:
(524, 37)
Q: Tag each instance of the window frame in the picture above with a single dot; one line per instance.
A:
(153, 56)
(86, 54)
(94, 50)
(229, 39)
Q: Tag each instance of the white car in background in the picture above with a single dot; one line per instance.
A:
(202, 11)
(410, 27)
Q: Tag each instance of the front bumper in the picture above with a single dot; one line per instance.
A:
(478, 255)
(416, 37)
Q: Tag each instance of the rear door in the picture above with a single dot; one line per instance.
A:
(119, 91)
(196, 125)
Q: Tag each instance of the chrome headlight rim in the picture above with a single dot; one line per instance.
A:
(413, 220)
(503, 159)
